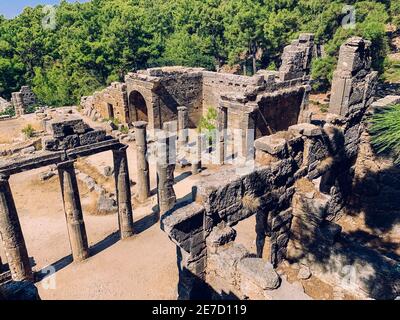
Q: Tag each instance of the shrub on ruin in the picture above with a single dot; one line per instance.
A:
(251, 202)
(208, 124)
(9, 111)
(28, 131)
(124, 130)
(385, 132)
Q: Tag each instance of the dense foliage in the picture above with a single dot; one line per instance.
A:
(98, 42)
(385, 132)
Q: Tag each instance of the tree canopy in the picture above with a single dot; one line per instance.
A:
(97, 42)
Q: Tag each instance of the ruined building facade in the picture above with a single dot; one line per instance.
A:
(301, 181)
(269, 101)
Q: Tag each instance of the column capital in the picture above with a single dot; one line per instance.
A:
(66, 164)
(121, 149)
(182, 108)
(140, 124)
(4, 177)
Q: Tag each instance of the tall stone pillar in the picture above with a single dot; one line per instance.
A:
(248, 136)
(143, 173)
(196, 160)
(183, 119)
(18, 102)
(222, 124)
(73, 211)
(11, 235)
(353, 81)
(166, 161)
(123, 190)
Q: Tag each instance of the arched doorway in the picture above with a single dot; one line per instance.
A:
(137, 107)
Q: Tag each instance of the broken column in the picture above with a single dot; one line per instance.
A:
(143, 177)
(73, 211)
(353, 81)
(11, 235)
(166, 160)
(222, 123)
(18, 103)
(123, 190)
(296, 58)
(196, 161)
(183, 119)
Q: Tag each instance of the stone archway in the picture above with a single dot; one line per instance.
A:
(138, 110)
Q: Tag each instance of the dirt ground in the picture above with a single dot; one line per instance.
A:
(143, 267)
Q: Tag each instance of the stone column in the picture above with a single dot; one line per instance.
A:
(248, 135)
(183, 119)
(222, 124)
(196, 161)
(166, 160)
(73, 211)
(123, 191)
(143, 175)
(11, 235)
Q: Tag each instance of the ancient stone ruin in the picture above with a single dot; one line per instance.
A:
(294, 174)
(301, 182)
(23, 99)
(71, 140)
(267, 102)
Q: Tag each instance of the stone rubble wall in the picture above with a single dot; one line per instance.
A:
(301, 182)
(165, 89)
(96, 106)
(296, 58)
(22, 100)
(353, 81)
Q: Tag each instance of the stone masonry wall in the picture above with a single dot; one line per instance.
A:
(301, 181)
(114, 97)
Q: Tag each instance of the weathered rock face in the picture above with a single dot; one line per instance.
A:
(72, 134)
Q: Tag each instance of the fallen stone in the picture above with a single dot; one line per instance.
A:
(306, 129)
(304, 273)
(108, 171)
(221, 236)
(46, 175)
(270, 144)
(106, 204)
(28, 150)
(259, 272)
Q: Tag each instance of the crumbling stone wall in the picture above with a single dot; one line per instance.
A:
(301, 181)
(22, 100)
(353, 81)
(163, 90)
(296, 58)
(112, 102)
(4, 104)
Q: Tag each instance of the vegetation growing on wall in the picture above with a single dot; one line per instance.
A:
(97, 42)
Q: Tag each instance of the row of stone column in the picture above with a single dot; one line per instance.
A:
(10, 228)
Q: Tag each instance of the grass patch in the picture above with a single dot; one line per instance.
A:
(28, 131)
